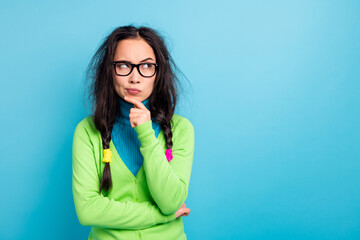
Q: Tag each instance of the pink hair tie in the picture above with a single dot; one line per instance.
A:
(168, 154)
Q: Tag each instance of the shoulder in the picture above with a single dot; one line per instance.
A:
(87, 126)
(181, 125)
(180, 121)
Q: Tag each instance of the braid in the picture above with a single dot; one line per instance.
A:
(106, 181)
(163, 115)
(104, 123)
(168, 134)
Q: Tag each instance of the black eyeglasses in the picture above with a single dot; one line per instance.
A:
(125, 68)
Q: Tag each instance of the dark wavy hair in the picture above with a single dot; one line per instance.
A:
(105, 104)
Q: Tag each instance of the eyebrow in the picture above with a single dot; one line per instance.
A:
(149, 58)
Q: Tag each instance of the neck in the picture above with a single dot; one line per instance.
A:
(125, 107)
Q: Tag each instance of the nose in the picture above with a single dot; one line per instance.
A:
(134, 76)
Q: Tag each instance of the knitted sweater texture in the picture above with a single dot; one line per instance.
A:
(137, 207)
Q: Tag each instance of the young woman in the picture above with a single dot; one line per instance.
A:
(132, 158)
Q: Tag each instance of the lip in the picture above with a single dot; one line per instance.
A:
(132, 91)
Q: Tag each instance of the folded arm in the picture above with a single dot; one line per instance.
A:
(168, 181)
(92, 208)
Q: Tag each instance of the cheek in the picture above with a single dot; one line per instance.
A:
(118, 82)
(119, 86)
(151, 85)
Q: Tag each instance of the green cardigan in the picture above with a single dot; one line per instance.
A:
(141, 207)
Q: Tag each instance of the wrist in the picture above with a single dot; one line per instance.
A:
(145, 132)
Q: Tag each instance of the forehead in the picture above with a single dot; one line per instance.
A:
(133, 50)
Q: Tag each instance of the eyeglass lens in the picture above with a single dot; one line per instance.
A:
(145, 69)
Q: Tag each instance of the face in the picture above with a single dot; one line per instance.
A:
(134, 51)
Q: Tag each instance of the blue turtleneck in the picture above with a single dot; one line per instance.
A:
(125, 138)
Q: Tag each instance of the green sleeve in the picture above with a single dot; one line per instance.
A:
(94, 209)
(168, 181)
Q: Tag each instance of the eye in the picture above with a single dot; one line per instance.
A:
(146, 65)
(123, 66)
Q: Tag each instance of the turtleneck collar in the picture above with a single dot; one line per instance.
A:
(125, 107)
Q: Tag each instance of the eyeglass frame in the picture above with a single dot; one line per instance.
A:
(132, 68)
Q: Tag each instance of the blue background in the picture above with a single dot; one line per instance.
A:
(273, 94)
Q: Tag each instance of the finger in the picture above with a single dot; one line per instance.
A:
(136, 103)
(135, 116)
(186, 213)
(137, 110)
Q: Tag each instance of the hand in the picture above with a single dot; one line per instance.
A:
(139, 114)
(183, 211)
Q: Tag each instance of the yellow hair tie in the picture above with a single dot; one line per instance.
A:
(107, 155)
